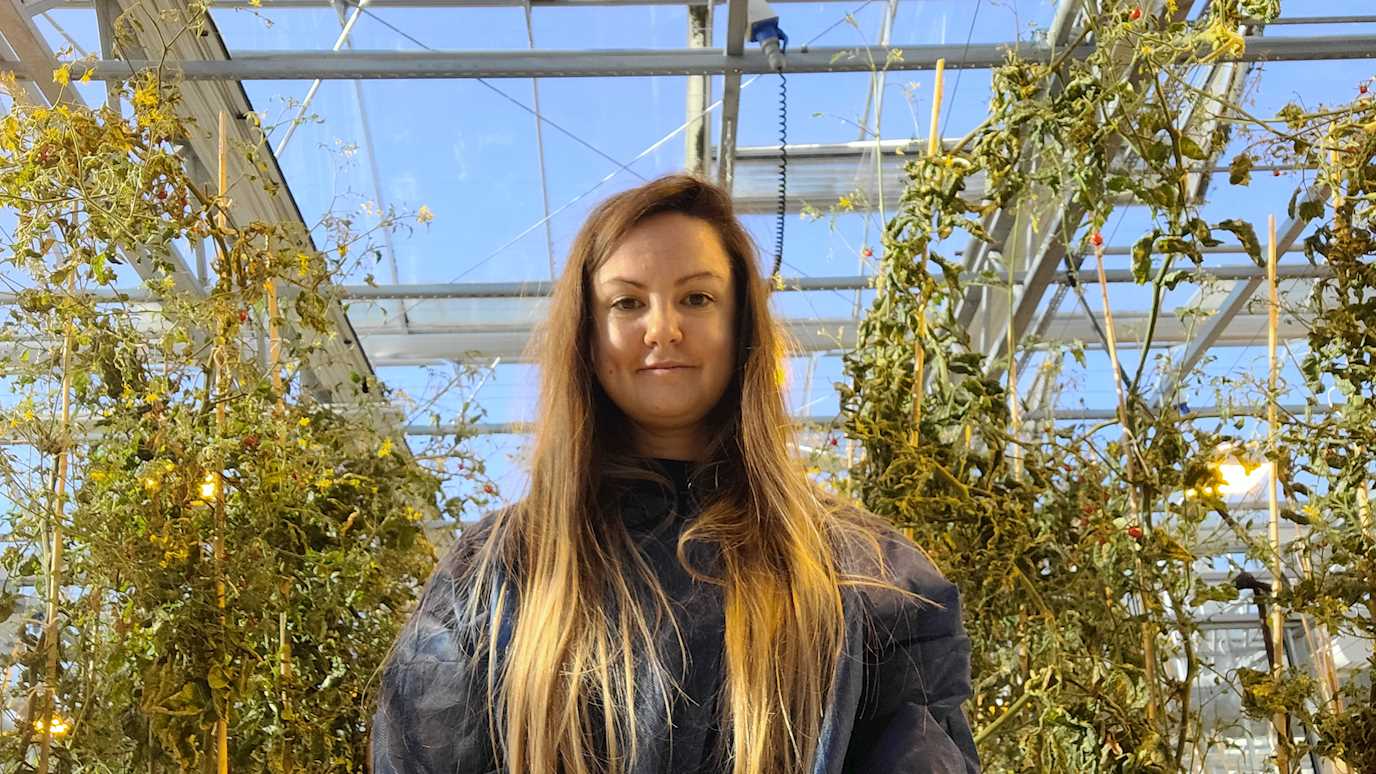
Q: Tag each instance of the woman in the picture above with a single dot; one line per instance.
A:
(674, 595)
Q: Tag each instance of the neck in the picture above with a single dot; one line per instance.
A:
(687, 444)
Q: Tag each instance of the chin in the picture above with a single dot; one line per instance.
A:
(669, 420)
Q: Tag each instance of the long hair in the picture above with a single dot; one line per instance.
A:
(569, 675)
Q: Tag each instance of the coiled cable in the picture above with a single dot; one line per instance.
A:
(783, 179)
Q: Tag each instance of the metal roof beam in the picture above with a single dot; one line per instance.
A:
(437, 344)
(1241, 293)
(326, 65)
(479, 290)
(460, 341)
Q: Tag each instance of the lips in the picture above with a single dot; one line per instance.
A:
(665, 367)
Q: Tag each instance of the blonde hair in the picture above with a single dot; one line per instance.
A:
(578, 622)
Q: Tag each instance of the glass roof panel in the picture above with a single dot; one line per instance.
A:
(467, 149)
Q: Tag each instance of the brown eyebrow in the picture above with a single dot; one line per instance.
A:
(680, 280)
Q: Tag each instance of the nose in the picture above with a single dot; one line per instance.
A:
(662, 326)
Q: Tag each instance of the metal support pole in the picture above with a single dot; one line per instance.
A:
(731, 92)
(697, 137)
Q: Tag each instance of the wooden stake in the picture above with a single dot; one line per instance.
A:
(221, 366)
(1281, 721)
(1134, 503)
(933, 138)
(274, 343)
(275, 369)
(920, 353)
(50, 628)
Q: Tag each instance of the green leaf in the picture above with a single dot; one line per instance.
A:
(1246, 235)
(1118, 183)
(1158, 152)
(1141, 257)
(1294, 516)
(217, 678)
(1191, 149)
(1292, 114)
(967, 363)
(1172, 244)
(1240, 169)
(1311, 209)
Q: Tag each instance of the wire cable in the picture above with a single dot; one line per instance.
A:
(545, 119)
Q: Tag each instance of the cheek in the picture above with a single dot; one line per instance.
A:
(611, 349)
(722, 338)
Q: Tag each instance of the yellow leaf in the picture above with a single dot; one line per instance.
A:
(62, 75)
(86, 76)
(425, 215)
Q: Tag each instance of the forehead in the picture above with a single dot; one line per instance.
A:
(666, 246)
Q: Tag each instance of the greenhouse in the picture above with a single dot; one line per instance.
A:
(1077, 296)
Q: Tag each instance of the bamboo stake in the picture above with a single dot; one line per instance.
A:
(1134, 504)
(222, 719)
(284, 645)
(274, 343)
(933, 138)
(51, 630)
(1281, 721)
(5, 691)
(919, 351)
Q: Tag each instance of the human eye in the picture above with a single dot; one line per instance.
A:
(705, 299)
(625, 303)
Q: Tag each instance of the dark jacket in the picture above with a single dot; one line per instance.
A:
(895, 705)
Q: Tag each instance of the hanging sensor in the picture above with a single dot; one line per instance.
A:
(764, 29)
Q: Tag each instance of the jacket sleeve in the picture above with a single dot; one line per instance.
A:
(917, 675)
(431, 715)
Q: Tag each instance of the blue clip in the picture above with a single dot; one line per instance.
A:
(769, 28)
